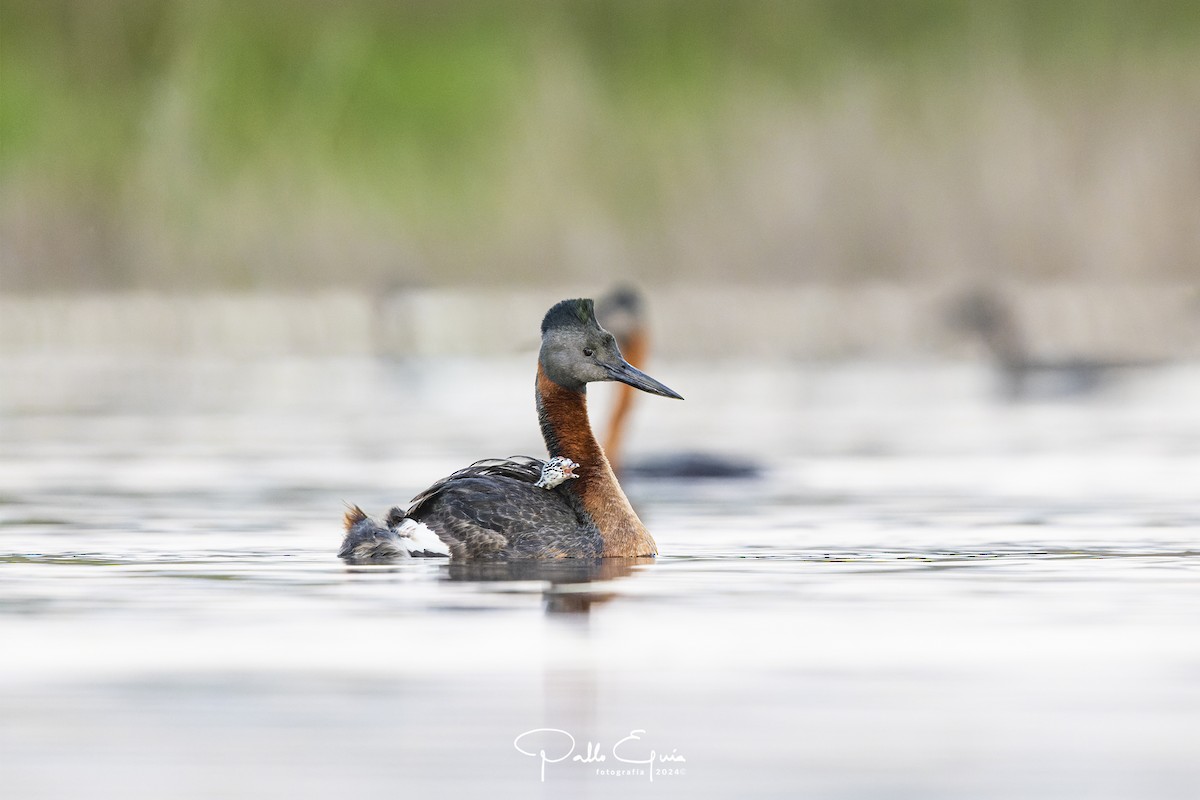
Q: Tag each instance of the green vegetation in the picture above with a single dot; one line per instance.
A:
(218, 143)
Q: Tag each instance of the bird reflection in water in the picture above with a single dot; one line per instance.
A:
(567, 582)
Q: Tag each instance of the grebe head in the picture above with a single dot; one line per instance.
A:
(623, 313)
(982, 312)
(576, 351)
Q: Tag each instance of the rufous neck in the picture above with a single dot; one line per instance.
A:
(563, 416)
(634, 350)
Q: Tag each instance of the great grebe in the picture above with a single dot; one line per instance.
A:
(623, 312)
(987, 315)
(570, 506)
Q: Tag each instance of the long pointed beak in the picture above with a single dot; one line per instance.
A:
(627, 373)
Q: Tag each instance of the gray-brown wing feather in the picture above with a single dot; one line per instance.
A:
(522, 468)
(492, 510)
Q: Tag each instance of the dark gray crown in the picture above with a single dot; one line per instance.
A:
(570, 314)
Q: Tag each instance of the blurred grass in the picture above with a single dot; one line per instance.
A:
(285, 142)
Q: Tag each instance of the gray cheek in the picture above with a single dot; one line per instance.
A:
(562, 372)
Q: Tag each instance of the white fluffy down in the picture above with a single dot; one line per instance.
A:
(417, 537)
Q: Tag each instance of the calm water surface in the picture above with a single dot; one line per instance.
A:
(929, 593)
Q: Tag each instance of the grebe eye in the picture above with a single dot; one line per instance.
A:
(587, 351)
